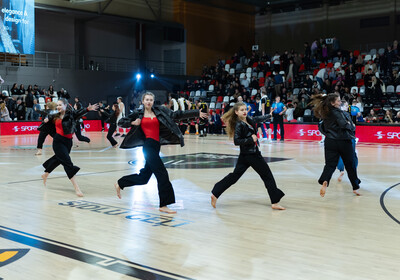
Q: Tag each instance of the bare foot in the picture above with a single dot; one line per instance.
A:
(323, 188)
(44, 177)
(356, 193)
(213, 201)
(118, 189)
(39, 152)
(276, 206)
(340, 176)
(165, 209)
(78, 192)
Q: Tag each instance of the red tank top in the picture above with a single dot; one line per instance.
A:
(59, 129)
(151, 128)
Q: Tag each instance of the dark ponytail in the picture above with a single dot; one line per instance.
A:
(322, 104)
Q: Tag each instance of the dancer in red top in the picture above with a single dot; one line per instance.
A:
(64, 123)
(152, 127)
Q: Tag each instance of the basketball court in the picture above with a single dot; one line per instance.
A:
(50, 233)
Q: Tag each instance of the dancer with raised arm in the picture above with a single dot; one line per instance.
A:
(243, 130)
(339, 130)
(151, 127)
(65, 124)
(112, 120)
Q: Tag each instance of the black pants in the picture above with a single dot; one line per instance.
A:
(41, 138)
(333, 149)
(110, 133)
(79, 134)
(278, 119)
(260, 166)
(154, 164)
(61, 147)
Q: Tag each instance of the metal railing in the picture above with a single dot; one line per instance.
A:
(92, 63)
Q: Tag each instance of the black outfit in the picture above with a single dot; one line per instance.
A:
(278, 119)
(112, 120)
(249, 156)
(45, 128)
(169, 134)
(62, 145)
(339, 130)
(78, 132)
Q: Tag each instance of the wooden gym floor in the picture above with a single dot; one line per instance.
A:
(49, 233)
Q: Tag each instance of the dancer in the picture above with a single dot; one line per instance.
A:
(65, 124)
(243, 130)
(112, 120)
(338, 130)
(78, 130)
(152, 127)
(46, 128)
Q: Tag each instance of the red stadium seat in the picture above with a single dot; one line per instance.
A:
(220, 99)
(302, 68)
(315, 72)
(268, 74)
(356, 53)
(255, 64)
(322, 65)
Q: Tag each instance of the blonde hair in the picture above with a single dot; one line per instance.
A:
(148, 93)
(230, 119)
(51, 105)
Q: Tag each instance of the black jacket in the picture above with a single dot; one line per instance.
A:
(69, 120)
(48, 127)
(338, 125)
(111, 117)
(169, 130)
(243, 134)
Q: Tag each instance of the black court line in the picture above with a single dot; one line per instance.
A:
(382, 201)
(88, 256)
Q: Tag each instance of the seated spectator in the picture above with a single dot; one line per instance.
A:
(388, 117)
(22, 90)
(372, 117)
(297, 112)
(254, 83)
(397, 118)
(245, 82)
(14, 90)
(5, 116)
(359, 118)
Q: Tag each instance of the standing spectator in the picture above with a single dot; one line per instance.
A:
(36, 109)
(289, 113)
(290, 74)
(20, 110)
(63, 94)
(276, 62)
(307, 56)
(11, 104)
(29, 106)
(278, 110)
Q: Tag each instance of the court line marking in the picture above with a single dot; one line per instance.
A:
(114, 264)
(382, 202)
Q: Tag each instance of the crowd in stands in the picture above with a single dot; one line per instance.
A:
(22, 103)
(368, 82)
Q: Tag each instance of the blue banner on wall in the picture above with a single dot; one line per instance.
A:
(17, 26)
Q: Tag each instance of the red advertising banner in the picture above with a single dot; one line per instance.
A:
(22, 128)
(309, 132)
(365, 133)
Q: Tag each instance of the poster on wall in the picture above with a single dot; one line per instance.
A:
(17, 26)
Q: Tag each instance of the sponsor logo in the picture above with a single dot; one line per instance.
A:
(309, 132)
(389, 135)
(379, 134)
(132, 215)
(87, 126)
(24, 128)
(8, 256)
(203, 160)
